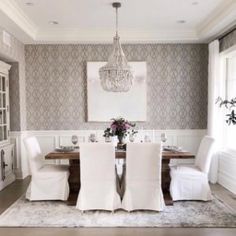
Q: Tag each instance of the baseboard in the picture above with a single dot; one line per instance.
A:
(21, 174)
(227, 182)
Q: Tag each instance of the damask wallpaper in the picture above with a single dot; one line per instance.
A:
(15, 55)
(176, 85)
(14, 97)
(228, 41)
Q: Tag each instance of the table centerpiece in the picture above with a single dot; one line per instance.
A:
(119, 127)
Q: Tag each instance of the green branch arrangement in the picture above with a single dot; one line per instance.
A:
(229, 105)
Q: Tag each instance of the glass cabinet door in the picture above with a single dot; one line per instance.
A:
(3, 109)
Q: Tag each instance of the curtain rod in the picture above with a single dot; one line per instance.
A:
(227, 33)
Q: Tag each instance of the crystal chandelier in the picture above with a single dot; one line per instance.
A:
(116, 75)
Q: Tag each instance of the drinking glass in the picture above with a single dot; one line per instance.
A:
(163, 137)
(74, 139)
(92, 138)
(131, 138)
(107, 139)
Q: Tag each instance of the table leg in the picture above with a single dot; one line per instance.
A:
(166, 182)
(74, 182)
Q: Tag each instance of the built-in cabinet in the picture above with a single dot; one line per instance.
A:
(7, 175)
(6, 149)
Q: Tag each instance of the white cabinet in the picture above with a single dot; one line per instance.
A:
(6, 149)
(4, 103)
(7, 175)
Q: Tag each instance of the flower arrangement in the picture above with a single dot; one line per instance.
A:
(230, 105)
(119, 127)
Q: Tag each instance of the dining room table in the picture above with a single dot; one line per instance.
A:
(74, 169)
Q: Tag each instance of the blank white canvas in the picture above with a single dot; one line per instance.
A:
(103, 105)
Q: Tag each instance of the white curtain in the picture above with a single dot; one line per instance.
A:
(215, 89)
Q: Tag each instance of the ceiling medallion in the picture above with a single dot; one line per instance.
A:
(116, 75)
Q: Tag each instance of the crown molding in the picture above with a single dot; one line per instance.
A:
(105, 36)
(220, 20)
(223, 18)
(4, 67)
(13, 11)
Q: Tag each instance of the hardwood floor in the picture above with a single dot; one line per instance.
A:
(115, 232)
(12, 192)
(15, 190)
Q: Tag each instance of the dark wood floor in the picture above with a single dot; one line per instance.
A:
(15, 190)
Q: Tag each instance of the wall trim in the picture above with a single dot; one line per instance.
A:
(227, 181)
(227, 170)
(53, 138)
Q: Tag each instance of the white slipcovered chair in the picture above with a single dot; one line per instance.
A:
(97, 178)
(190, 182)
(143, 177)
(48, 181)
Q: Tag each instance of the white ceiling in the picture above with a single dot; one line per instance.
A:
(139, 20)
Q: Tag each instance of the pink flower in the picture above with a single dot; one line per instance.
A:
(113, 127)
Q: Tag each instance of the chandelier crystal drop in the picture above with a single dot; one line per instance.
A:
(116, 75)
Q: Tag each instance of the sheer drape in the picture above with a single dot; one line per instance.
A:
(215, 89)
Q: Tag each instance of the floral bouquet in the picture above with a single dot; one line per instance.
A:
(119, 127)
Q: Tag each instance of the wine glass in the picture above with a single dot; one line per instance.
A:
(131, 138)
(163, 137)
(92, 138)
(74, 139)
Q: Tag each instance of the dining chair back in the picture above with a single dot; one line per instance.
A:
(34, 154)
(204, 155)
(98, 189)
(143, 177)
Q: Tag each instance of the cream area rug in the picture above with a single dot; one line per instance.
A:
(57, 214)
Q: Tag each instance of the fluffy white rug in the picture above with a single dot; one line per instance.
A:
(57, 214)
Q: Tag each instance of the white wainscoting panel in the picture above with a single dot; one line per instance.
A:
(20, 163)
(188, 139)
(227, 170)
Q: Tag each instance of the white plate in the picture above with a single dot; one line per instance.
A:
(64, 149)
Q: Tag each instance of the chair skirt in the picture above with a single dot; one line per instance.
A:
(97, 196)
(144, 195)
(49, 183)
(189, 183)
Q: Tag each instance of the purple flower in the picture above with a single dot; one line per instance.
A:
(113, 126)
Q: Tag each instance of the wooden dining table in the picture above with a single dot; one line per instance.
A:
(74, 169)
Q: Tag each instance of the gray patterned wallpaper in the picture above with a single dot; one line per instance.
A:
(176, 85)
(15, 54)
(14, 97)
(228, 41)
(56, 85)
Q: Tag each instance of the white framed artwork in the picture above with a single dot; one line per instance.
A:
(103, 105)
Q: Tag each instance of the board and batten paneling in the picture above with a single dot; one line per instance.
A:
(227, 170)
